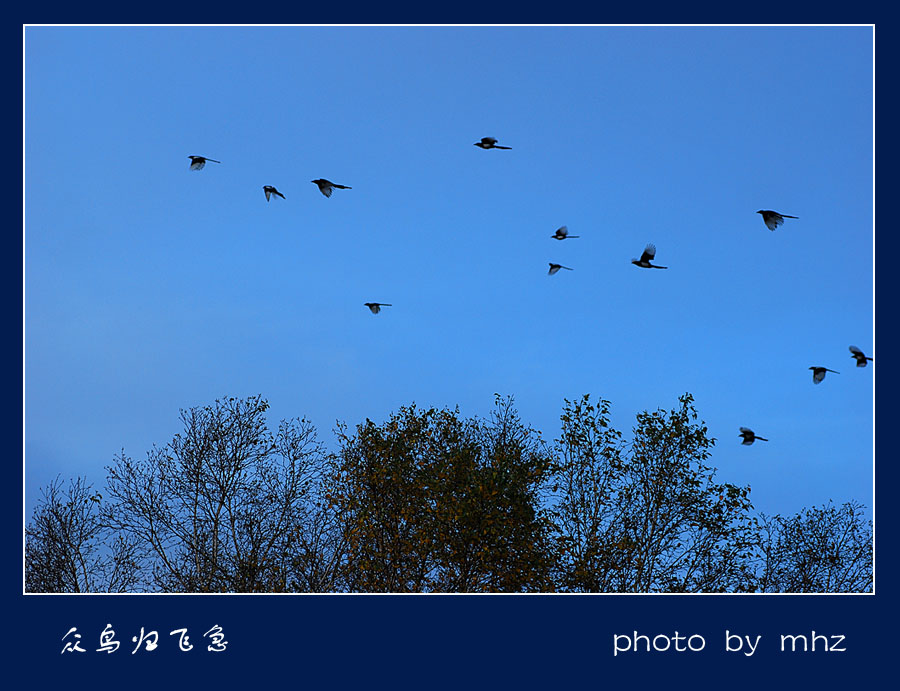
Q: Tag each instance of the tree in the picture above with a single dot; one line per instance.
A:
(68, 548)
(648, 517)
(590, 475)
(223, 506)
(432, 502)
(824, 549)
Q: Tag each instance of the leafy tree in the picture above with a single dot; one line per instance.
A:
(649, 516)
(433, 502)
(590, 476)
(824, 549)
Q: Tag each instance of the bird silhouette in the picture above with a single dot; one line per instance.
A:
(556, 267)
(819, 373)
(197, 162)
(375, 307)
(326, 187)
(490, 143)
(859, 355)
(644, 261)
(269, 190)
(749, 436)
(562, 233)
(773, 219)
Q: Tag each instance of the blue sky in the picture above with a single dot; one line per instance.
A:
(150, 288)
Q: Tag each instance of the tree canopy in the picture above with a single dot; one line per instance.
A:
(432, 501)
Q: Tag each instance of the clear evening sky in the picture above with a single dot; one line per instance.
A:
(150, 287)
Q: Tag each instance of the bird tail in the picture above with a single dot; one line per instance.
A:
(762, 439)
(342, 187)
(659, 267)
(786, 216)
(497, 146)
(213, 160)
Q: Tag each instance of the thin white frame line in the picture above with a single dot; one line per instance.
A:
(25, 26)
(452, 25)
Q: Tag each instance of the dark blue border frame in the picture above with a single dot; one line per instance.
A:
(455, 641)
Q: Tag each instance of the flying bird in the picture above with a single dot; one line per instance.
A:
(269, 190)
(749, 436)
(556, 267)
(326, 187)
(773, 219)
(375, 307)
(644, 261)
(490, 143)
(819, 373)
(197, 162)
(859, 355)
(562, 233)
